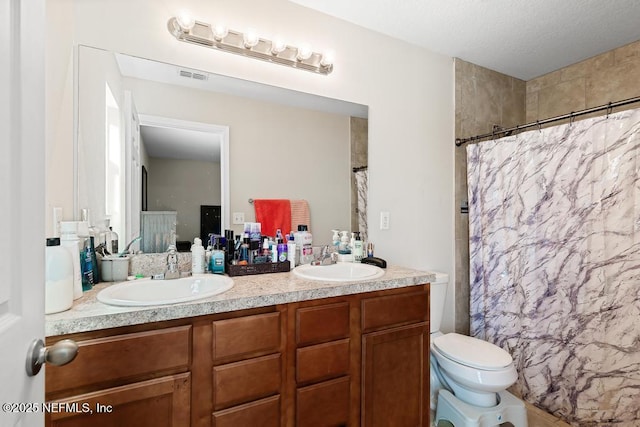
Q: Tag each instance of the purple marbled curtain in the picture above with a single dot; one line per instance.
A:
(554, 235)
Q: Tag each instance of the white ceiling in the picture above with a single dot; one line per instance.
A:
(181, 144)
(520, 38)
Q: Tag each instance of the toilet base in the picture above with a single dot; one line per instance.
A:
(461, 414)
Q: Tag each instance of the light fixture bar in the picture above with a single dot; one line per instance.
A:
(202, 34)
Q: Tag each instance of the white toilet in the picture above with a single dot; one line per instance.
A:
(469, 377)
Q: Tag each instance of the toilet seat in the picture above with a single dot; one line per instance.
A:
(474, 380)
(472, 352)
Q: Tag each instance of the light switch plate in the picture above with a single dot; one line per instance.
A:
(384, 220)
(238, 218)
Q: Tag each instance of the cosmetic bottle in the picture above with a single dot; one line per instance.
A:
(207, 255)
(291, 251)
(88, 263)
(274, 252)
(244, 249)
(304, 244)
(229, 245)
(358, 249)
(282, 250)
(70, 241)
(197, 256)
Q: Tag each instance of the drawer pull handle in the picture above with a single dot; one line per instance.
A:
(58, 354)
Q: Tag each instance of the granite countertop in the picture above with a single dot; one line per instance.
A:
(88, 314)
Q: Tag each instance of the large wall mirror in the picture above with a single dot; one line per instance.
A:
(164, 146)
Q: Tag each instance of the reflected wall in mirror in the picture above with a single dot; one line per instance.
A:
(207, 140)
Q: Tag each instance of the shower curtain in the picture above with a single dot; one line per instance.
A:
(362, 179)
(554, 236)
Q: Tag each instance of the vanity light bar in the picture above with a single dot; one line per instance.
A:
(202, 34)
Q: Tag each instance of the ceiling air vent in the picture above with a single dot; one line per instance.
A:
(192, 75)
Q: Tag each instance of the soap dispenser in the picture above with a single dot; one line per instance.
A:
(217, 258)
(344, 243)
(335, 240)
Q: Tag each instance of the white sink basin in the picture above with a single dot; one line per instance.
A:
(157, 292)
(340, 272)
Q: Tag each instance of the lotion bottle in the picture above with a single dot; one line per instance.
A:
(58, 294)
(197, 256)
(69, 240)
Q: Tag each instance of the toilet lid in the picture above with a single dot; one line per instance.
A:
(472, 351)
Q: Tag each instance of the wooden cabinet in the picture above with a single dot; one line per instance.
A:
(346, 361)
(395, 384)
(395, 360)
(108, 382)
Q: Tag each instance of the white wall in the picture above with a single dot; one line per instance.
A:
(98, 69)
(167, 181)
(59, 109)
(409, 91)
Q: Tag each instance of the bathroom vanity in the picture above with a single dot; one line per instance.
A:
(275, 350)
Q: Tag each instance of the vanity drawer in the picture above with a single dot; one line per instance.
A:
(244, 381)
(324, 404)
(243, 337)
(393, 310)
(101, 361)
(322, 323)
(264, 413)
(322, 361)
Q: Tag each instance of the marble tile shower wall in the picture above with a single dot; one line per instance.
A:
(485, 98)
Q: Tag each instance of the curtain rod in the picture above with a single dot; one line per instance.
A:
(538, 123)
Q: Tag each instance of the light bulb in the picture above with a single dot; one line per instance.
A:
(327, 58)
(185, 20)
(277, 45)
(304, 52)
(250, 38)
(220, 31)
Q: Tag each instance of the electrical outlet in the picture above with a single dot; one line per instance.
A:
(238, 218)
(384, 220)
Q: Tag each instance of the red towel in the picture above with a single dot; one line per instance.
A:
(273, 214)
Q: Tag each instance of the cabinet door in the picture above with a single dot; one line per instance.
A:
(395, 380)
(155, 403)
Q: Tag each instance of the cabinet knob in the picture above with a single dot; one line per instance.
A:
(58, 354)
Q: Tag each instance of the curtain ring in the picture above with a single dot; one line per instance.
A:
(609, 109)
(571, 118)
(539, 126)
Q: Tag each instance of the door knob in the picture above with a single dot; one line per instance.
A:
(58, 354)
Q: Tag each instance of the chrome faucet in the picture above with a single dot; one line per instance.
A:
(172, 271)
(126, 249)
(326, 257)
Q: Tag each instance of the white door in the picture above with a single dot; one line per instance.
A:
(133, 176)
(22, 192)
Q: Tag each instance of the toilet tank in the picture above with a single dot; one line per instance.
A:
(437, 294)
